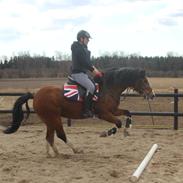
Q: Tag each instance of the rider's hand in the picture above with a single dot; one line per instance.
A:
(97, 73)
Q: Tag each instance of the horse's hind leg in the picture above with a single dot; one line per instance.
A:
(61, 134)
(50, 133)
(50, 140)
(54, 123)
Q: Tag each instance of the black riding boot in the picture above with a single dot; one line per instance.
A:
(87, 106)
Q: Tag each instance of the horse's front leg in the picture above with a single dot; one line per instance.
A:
(128, 123)
(110, 117)
(126, 113)
(107, 116)
(120, 112)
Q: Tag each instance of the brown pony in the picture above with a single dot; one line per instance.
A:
(50, 104)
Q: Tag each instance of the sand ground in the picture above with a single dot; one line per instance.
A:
(23, 156)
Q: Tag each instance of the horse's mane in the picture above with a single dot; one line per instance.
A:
(122, 76)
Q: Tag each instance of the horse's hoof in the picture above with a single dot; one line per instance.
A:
(103, 134)
(56, 155)
(78, 151)
(126, 133)
(48, 155)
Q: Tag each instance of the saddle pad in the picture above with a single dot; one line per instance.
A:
(72, 92)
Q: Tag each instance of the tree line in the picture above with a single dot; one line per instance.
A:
(26, 66)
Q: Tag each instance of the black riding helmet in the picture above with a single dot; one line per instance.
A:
(83, 33)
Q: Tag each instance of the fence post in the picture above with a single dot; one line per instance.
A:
(176, 109)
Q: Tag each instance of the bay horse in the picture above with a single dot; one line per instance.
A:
(50, 104)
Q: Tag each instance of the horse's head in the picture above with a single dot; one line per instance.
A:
(116, 80)
(142, 86)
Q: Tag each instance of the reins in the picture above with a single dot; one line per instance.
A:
(150, 110)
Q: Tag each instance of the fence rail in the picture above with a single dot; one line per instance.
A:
(174, 114)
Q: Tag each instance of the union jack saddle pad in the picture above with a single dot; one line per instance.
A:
(76, 93)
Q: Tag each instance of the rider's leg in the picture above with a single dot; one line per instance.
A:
(84, 80)
(88, 105)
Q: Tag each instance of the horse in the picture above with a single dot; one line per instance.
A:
(50, 104)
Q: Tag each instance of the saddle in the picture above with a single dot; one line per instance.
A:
(73, 91)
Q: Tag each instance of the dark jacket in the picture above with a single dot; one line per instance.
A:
(80, 58)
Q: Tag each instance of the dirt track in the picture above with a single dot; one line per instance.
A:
(113, 159)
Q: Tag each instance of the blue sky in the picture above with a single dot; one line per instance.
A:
(146, 27)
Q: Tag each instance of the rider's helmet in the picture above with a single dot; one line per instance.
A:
(83, 33)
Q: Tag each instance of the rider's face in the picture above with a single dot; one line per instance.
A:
(85, 40)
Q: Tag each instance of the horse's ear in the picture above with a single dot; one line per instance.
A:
(142, 73)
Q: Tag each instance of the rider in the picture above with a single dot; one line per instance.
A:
(81, 64)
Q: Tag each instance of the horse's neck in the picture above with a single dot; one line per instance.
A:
(115, 92)
(115, 89)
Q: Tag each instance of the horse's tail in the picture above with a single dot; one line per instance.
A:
(18, 114)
